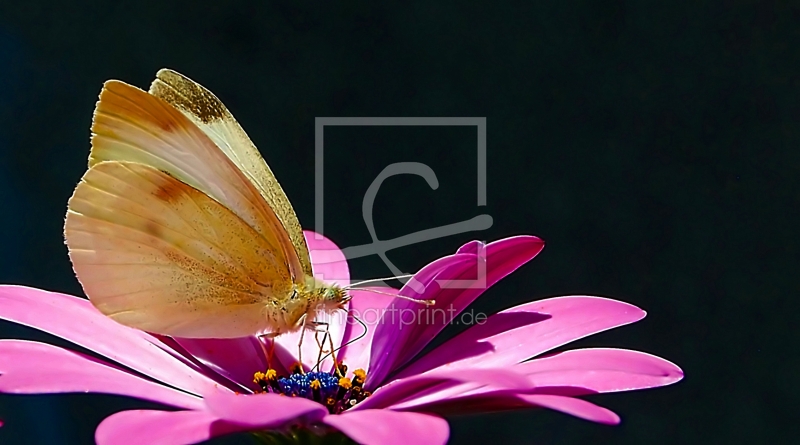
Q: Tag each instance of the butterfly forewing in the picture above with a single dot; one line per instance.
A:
(157, 254)
(132, 125)
(210, 115)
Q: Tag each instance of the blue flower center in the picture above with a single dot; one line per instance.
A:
(335, 393)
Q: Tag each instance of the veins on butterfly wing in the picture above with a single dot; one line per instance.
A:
(193, 99)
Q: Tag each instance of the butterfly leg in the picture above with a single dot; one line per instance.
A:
(268, 355)
(307, 326)
(301, 322)
(321, 344)
(332, 351)
(333, 356)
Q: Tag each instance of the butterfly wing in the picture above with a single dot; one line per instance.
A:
(159, 255)
(209, 114)
(132, 125)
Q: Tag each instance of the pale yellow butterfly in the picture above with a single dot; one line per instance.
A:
(180, 228)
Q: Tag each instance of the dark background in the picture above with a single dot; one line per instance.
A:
(654, 148)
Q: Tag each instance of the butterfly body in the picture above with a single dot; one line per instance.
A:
(302, 304)
(179, 227)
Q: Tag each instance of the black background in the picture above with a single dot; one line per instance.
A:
(654, 147)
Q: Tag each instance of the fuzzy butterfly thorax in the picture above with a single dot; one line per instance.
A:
(304, 302)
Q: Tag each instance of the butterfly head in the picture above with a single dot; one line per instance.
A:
(326, 297)
(334, 298)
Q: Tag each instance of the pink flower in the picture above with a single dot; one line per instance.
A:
(488, 367)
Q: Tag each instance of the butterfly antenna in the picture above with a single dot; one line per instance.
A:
(402, 297)
(378, 280)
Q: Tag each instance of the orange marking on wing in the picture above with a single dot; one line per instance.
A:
(169, 191)
(153, 229)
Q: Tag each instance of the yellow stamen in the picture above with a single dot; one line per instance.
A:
(259, 377)
(345, 383)
(359, 377)
(315, 384)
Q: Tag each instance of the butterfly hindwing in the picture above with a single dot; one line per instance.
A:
(159, 255)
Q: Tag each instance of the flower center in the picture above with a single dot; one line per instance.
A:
(335, 393)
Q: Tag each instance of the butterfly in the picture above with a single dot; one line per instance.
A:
(180, 228)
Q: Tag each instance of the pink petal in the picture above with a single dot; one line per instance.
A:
(589, 371)
(395, 327)
(522, 332)
(76, 320)
(371, 308)
(571, 373)
(263, 410)
(237, 359)
(330, 266)
(502, 258)
(471, 247)
(287, 344)
(572, 406)
(216, 372)
(357, 342)
(161, 428)
(28, 367)
(505, 401)
(410, 388)
(382, 427)
(327, 260)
